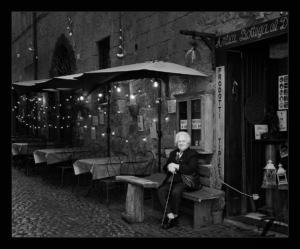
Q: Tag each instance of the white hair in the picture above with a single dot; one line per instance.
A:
(185, 135)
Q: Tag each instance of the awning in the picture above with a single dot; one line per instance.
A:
(61, 83)
(24, 87)
(138, 71)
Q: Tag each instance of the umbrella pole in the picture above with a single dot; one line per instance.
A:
(159, 125)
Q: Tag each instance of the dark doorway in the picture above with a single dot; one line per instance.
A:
(255, 73)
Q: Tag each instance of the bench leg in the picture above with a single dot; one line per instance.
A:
(134, 204)
(202, 214)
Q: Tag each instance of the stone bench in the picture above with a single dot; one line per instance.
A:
(135, 197)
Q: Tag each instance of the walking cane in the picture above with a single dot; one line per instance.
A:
(167, 200)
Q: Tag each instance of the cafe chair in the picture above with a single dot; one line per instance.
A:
(79, 153)
(33, 145)
(105, 183)
(19, 160)
(66, 164)
(93, 150)
(60, 143)
(142, 163)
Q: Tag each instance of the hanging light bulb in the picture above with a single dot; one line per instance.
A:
(192, 57)
(118, 89)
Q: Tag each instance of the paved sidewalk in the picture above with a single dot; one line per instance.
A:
(42, 209)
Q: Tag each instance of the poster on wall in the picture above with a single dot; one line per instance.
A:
(183, 124)
(283, 90)
(95, 120)
(171, 106)
(93, 133)
(196, 124)
(282, 120)
(153, 133)
(121, 105)
(140, 123)
(101, 117)
(220, 119)
(260, 129)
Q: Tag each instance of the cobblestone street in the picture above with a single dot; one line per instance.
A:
(44, 209)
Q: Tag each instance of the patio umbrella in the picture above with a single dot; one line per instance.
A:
(61, 83)
(152, 69)
(138, 71)
(24, 87)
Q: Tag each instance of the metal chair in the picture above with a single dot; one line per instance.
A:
(80, 153)
(19, 160)
(116, 157)
(142, 163)
(33, 144)
(66, 164)
(58, 144)
(93, 150)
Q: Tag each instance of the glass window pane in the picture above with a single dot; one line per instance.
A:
(196, 122)
(182, 116)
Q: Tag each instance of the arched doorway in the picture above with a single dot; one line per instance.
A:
(61, 119)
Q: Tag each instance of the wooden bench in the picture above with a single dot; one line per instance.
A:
(201, 200)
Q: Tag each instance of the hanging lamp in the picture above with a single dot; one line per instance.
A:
(192, 56)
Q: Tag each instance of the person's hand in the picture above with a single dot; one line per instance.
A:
(176, 166)
(172, 169)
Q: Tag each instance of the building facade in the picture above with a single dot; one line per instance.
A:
(244, 55)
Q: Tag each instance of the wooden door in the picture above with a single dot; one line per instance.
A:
(233, 138)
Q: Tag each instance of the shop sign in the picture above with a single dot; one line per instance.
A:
(220, 118)
(256, 32)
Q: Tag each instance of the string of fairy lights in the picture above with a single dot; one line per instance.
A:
(81, 101)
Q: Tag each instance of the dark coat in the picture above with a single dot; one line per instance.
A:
(187, 164)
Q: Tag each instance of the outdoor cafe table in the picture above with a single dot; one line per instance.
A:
(21, 148)
(51, 156)
(111, 166)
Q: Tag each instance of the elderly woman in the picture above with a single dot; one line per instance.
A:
(181, 169)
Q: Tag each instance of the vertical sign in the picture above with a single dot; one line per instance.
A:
(282, 120)
(283, 90)
(220, 119)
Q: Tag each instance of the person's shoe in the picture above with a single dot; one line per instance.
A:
(170, 223)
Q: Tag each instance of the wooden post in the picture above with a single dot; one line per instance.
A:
(134, 204)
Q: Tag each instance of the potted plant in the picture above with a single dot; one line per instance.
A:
(134, 110)
(217, 210)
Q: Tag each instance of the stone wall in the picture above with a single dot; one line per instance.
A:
(147, 36)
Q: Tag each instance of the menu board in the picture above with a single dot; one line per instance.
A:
(283, 84)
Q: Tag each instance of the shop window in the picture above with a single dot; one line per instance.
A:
(195, 116)
(104, 59)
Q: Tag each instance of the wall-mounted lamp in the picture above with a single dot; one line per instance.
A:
(210, 43)
(193, 56)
